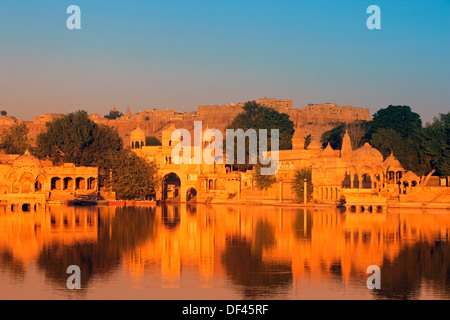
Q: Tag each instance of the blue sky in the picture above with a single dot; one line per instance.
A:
(181, 54)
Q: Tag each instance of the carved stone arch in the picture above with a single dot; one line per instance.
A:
(26, 182)
(39, 182)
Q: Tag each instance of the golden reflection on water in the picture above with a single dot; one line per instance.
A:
(221, 252)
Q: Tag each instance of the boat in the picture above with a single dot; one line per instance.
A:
(80, 202)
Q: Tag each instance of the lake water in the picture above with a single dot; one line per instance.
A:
(223, 252)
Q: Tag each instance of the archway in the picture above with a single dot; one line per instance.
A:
(80, 183)
(26, 183)
(171, 187)
(191, 194)
(39, 183)
(91, 183)
(55, 183)
(366, 181)
(68, 183)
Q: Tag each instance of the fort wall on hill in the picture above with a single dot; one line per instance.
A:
(311, 119)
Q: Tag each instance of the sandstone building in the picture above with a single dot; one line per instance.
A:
(359, 179)
(28, 182)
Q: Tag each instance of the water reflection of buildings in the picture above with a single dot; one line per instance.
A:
(24, 234)
(261, 251)
(291, 243)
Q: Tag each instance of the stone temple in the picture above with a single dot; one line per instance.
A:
(360, 180)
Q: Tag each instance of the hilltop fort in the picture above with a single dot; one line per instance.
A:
(313, 119)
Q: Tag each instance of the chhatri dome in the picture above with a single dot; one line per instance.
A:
(137, 138)
(367, 154)
(298, 140)
(27, 160)
(137, 134)
(392, 163)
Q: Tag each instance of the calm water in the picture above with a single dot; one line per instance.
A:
(223, 252)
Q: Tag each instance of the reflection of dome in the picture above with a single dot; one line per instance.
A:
(367, 154)
(137, 134)
(392, 163)
(27, 160)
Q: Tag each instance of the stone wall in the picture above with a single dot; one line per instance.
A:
(312, 119)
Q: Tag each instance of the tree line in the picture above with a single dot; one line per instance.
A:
(399, 130)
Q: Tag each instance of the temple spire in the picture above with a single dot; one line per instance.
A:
(346, 150)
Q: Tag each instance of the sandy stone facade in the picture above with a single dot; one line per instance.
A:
(360, 180)
(29, 182)
(185, 182)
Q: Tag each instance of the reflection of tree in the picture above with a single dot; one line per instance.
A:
(7, 261)
(246, 267)
(117, 233)
(402, 278)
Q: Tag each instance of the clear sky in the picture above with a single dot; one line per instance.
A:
(181, 54)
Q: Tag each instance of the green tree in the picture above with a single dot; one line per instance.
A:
(436, 143)
(406, 150)
(399, 118)
(398, 129)
(263, 181)
(388, 140)
(132, 176)
(3, 113)
(394, 129)
(152, 141)
(298, 185)
(258, 117)
(308, 140)
(356, 130)
(77, 139)
(333, 136)
(114, 114)
(15, 139)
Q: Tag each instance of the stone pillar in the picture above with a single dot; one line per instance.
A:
(305, 191)
(239, 190)
(281, 191)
